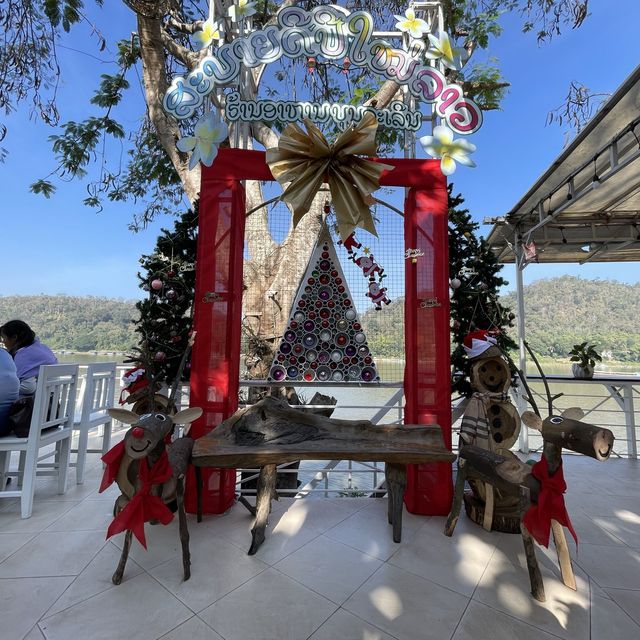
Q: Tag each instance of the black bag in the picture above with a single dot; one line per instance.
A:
(19, 418)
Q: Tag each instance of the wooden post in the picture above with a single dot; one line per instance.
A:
(184, 530)
(535, 577)
(396, 476)
(266, 489)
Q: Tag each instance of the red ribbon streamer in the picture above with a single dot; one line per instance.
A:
(143, 507)
(550, 504)
(112, 460)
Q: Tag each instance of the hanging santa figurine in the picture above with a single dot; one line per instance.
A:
(477, 343)
(377, 294)
(369, 267)
(350, 244)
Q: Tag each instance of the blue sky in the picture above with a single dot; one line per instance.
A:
(59, 246)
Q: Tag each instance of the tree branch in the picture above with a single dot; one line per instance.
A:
(188, 58)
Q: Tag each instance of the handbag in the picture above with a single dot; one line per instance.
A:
(19, 418)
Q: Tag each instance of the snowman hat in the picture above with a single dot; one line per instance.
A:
(477, 342)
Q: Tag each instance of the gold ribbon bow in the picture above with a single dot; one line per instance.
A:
(306, 160)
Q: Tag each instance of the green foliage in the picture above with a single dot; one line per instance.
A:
(474, 304)
(385, 330)
(75, 323)
(585, 354)
(561, 312)
(165, 320)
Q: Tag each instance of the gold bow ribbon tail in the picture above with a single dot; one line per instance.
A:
(304, 160)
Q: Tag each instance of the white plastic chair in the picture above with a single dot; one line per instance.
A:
(97, 396)
(51, 424)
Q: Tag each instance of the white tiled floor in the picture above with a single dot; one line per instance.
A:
(327, 571)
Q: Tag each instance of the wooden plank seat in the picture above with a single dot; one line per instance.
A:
(272, 432)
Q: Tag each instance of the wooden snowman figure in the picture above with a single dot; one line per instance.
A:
(493, 423)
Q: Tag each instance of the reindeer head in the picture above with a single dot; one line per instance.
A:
(149, 430)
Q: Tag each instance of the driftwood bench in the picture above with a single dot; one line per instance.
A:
(271, 433)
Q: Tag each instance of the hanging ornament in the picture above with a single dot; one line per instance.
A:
(455, 283)
(350, 243)
(176, 339)
(311, 64)
(377, 294)
(512, 316)
(346, 63)
(160, 356)
(171, 295)
(171, 274)
(370, 267)
(156, 284)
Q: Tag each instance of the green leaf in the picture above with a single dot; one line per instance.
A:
(43, 187)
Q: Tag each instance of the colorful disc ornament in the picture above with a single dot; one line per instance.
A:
(323, 330)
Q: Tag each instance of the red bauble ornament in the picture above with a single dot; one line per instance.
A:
(160, 356)
(171, 274)
(156, 284)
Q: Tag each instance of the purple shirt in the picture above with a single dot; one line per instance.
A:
(28, 359)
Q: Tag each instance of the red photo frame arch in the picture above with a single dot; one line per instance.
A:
(218, 310)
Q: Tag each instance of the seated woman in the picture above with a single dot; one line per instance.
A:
(9, 385)
(28, 353)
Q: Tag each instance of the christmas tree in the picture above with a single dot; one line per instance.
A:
(324, 339)
(166, 312)
(475, 281)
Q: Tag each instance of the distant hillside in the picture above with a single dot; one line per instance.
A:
(75, 323)
(561, 312)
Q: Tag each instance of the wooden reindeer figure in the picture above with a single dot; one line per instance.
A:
(540, 487)
(150, 475)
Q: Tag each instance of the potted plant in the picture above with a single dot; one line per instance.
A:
(584, 357)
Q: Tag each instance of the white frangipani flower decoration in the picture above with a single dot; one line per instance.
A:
(209, 132)
(408, 23)
(441, 49)
(242, 9)
(210, 31)
(442, 145)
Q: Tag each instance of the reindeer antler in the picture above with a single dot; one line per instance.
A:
(550, 399)
(176, 382)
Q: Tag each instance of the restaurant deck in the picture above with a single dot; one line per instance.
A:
(327, 571)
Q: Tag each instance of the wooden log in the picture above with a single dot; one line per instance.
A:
(266, 489)
(396, 477)
(184, 530)
(587, 439)
(564, 559)
(535, 577)
(119, 572)
(272, 432)
(454, 514)
(488, 507)
(506, 518)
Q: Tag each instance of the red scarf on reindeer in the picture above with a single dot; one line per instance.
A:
(550, 504)
(143, 507)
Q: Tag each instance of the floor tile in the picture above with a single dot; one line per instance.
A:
(218, 567)
(625, 527)
(53, 554)
(627, 600)
(615, 567)
(93, 515)
(315, 514)
(343, 625)
(505, 586)
(95, 578)
(610, 622)
(328, 567)
(138, 609)
(369, 531)
(24, 600)
(407, 606)
(35, 634)
(11, 542)
(480, 621)
(591, 530)
(192, 629)
(457, 562)
(268, 607)
(45, 512)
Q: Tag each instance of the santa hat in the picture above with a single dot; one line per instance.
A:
(477, 342)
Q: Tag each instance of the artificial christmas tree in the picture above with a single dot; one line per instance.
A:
(474, 281)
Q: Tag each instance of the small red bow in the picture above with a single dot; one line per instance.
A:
(550, 504)
(143, 507)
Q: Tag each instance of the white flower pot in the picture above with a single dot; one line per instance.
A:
(585, 373)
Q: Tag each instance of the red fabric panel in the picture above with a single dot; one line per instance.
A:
(215, 362)
(238, 164)
(427, 373)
